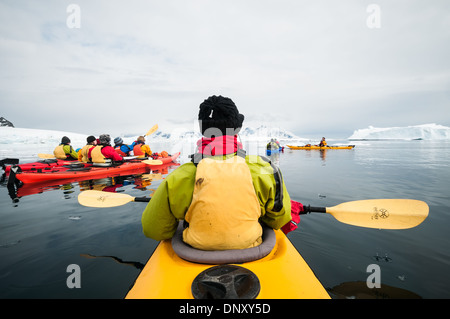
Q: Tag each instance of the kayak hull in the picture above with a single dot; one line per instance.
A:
(314, 147)
(94, 172)
(283, 274)
(64, 173)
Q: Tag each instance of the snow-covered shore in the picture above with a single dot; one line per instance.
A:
(26, 143)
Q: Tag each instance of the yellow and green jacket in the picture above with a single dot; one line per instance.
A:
(173, 198)
(65, 151)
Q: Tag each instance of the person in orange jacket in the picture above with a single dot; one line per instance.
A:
(141, 149)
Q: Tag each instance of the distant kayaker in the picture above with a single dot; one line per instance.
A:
(65, 151)
(323, 143)
(121, 148)
(104, 151)
(222, 194)
(140, 149)
(273, 145)
(83, 154)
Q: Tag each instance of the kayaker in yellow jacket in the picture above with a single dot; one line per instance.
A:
(65, 151)
(323, 143)
(140, 149)
(103, 152)
(83, 153)
(224, 197)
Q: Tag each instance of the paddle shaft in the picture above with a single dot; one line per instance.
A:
(311, 209)
(142, 199)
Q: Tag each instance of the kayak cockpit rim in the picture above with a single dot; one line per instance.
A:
(218, 257)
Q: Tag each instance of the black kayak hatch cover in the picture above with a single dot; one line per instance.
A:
(226, 282)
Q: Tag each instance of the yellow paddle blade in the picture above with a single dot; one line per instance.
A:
(153, 177)
(42, 155)
(152, 162)
(152, 130)
(93, 198)
(381, 213)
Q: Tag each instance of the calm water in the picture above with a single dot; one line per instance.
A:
(44, 233)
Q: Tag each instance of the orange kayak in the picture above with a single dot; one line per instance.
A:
(281, 274)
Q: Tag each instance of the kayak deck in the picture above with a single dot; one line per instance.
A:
(45, 164)
(65, 173)
(283, 274)
(315, 147)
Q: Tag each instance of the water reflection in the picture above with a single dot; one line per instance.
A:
(274, 158)
(359, 290)
(17, 189)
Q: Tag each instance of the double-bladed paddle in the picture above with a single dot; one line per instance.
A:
(152, 162)
(9, 161)
(377, 213)
(373, 213)
(152, 130)
(127, 158)
(93, 198)
(46, 156)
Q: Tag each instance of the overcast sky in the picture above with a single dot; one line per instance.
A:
(312, 67)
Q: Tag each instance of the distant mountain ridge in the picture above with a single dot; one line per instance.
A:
(263, 132)
(5, 122)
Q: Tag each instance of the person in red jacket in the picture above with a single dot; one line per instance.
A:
(104, 151)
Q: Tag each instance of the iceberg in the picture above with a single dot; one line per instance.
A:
(417, 132)
(264, 132)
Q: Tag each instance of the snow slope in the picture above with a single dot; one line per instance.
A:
(26, 143)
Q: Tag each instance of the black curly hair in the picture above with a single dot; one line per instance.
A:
(219, 113)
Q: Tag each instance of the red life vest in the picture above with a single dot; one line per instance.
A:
(137, 150)
(119, 151)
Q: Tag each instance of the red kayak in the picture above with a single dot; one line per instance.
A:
(35, 188)
(92, 172)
